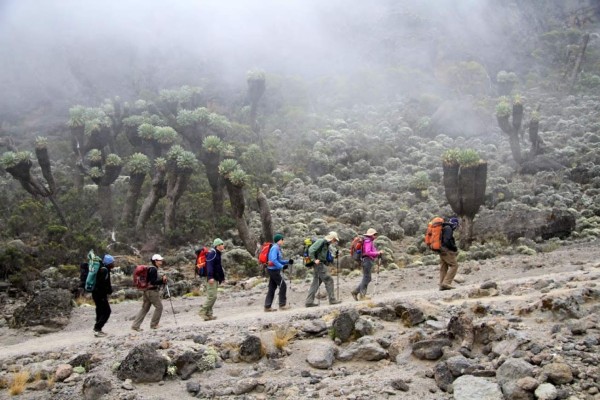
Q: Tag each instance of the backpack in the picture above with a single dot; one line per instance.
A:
(263, 254)
(93, 267)
(433, 235)
(356, 248)
(201, 261)
(309, 262)
(140, 277)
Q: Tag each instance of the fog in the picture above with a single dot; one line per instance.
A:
(56, 53)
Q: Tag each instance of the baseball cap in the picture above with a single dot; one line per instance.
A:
(157, 257)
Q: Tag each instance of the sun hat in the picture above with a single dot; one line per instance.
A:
(371, 232)
(277, 237)
(217, 242)
(332, 236)
(108, 259)
(157, 257)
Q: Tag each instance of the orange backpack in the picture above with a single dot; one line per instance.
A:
(263, 255)
(356, 248)
(201, 261)
(433, 236)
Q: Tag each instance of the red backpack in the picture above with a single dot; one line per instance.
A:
(356, 248)
(140, 277)
(263, 254)
(433, 236)
(201, 261)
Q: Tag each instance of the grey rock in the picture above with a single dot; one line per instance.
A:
(143, 364)
(343, 325)
(251, 349)
(50, 308)
(95, 387)
(558, 373)
(468, 387)
(430, 349)
(546, 391)
(322, 356)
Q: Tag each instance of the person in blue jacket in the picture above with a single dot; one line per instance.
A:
(274, 267)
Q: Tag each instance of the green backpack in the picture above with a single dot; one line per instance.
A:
(94, 266)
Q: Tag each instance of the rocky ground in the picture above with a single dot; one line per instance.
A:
(534, 321)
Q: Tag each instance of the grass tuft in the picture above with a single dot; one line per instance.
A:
(17, 385)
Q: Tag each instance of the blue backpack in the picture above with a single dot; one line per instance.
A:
(94, 266)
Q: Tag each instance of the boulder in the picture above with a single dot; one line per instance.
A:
(143, 364)
(50, 308)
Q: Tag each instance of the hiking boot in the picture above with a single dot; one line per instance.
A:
(446, 287)
(364, 297)
(209, 318)
(136, 329)
(284, 307)
(335, 302)
(155, 327)
(99, 334)
(269, 309)
(312, 305)
(354, 296)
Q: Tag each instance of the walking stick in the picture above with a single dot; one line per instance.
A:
(337, 253)
(171, 301)
(377, 276)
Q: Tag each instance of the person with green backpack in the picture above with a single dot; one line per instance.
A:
(321, 257)
(102, 289)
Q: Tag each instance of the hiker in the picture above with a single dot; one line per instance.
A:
(368, 255)
(274, 267)
(102, 289)
(151, 295)
(319, 252)
(214, 277)
(448, 253)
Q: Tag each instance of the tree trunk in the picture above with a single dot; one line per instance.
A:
(534, 138)
(577, 68)
(105, 205)
(44, 160)
(265, 216)
(158, 191)
(466, 233)
(136, 181)
(451, 187)
(238, 206)
(211, 164)
(174, 193)
(472, 182)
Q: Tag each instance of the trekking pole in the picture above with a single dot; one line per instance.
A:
(337, 255)
(377, 275)
(171, 301)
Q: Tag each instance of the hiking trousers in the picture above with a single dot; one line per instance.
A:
(320, 275)
(211, 297)
(102, 310)
(448, 267)
(367, 266)
(275, 281)
(150, 297)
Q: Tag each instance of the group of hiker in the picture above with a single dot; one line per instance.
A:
(318, 256)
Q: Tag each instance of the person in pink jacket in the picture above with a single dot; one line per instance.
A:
(368, 256)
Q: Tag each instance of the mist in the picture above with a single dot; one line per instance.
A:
(57, 53)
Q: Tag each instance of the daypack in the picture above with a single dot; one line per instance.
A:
(201, 261)
(140, 277)
(93, 267)
(309, 262)
(263, 254)
(433, 235)
(356, 248)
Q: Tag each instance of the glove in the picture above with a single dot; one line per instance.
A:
(285, 267)
(291, 262)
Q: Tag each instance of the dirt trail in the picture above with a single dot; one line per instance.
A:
(236, 309)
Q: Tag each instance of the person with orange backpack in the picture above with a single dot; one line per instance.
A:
(276, 263)
(151, 295)
(367, 253)
(448, 253)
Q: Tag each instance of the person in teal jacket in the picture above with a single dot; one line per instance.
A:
(275, 265)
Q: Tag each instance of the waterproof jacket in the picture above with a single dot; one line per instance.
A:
(154, 279)
(448, 242)
(214, 269)
(276, 260)
(368, 248)
(318, 250)
(103, 286)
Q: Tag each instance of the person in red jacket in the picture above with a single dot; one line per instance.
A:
(368, 256)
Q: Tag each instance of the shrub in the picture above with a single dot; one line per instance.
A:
(18, 382)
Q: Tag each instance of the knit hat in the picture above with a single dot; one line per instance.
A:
(108, 259)
(454, 222)
(217, 242)
(332, 236)
(371, 232)
(277, 237)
